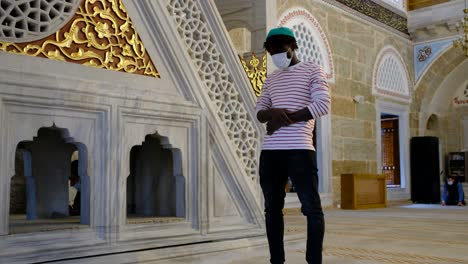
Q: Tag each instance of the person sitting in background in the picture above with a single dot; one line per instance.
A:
(74, 209)
(453, 193)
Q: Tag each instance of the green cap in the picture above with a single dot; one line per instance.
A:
(281, 31)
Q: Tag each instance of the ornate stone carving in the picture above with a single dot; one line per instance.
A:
(377, 12)
(424, 53)
(29, 20)
(100, 34)
(206, 57)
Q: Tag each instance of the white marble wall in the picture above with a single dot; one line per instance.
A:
(110, 112)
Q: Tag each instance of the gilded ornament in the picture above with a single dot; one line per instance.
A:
(256, 71)
(100, 34)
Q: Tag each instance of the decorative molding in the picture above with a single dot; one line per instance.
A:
(182, 130)
(89, 118)
(101, 34)
(312, 40)
(378, 13)
(402, 111)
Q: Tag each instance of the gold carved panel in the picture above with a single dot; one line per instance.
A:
(256, 70)
(100, 34)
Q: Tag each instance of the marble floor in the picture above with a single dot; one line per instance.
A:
(404, 234)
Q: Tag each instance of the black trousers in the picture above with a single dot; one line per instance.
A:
(301, 166)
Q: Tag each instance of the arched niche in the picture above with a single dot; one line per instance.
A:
(45, 164)
(155, 186)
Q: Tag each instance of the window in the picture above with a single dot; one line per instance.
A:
(311, 39)
(391, 78)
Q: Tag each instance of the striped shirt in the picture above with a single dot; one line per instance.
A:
(298, 86)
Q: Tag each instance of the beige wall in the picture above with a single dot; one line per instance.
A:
(355, 44)
(241, 39)
(449, 129)
(449, 126)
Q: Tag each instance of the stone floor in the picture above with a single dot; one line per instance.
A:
(412, 234)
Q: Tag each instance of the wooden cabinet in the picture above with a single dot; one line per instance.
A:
(362, 191)
(457, 165)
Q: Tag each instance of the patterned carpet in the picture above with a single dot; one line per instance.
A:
(411, 234)
(414, 234)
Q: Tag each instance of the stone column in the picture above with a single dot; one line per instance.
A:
(271, 22)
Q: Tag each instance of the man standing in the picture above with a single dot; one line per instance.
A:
(292, 98)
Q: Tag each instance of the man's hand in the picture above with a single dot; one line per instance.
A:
(276, 118)
(272, 127)
(277, 115)
(279, 118)
(300, 116)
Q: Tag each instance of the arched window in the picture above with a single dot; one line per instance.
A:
(311, 39)
(391, 78)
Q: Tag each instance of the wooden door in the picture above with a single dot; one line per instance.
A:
(390, 151)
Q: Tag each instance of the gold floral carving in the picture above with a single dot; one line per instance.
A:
(100, 34)
(256, 70)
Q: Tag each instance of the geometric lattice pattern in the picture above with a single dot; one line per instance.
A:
(391, 76)
(193, 29)
(311, 39)
(309, 49)
(28, 20)
(99, 34)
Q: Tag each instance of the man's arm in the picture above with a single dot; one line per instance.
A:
(263, 105)
(319, 94)
(301, 115)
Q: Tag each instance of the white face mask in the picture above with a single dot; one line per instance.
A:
(449, 182)
(281, 60)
